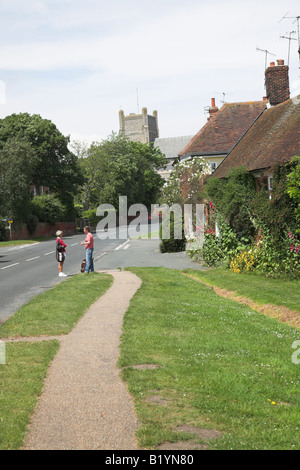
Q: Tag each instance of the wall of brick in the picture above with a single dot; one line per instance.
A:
(21, 232)
(277, 83)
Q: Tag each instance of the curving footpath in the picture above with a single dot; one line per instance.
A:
(85, 405)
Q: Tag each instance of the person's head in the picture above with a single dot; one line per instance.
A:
(59, 233)
(87, 229)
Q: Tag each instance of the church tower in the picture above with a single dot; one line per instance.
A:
(139, 127)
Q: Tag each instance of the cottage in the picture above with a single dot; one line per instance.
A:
(274, 137)
(223, 130)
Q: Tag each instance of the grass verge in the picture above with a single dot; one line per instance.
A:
(221, 367)
(54, 312)
(21, 384)
(254, 286)
(57, 310)
(25, 242)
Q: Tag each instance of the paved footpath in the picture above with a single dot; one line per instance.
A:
(85, 405)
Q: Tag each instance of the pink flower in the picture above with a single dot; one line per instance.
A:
(292, 247)
(211, 205)
(297, 249)
(291, 235)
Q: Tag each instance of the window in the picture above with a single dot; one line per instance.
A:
(270, 183)
(270, 186)
(213, 166)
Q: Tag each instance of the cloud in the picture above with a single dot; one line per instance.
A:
(178, 42)
(77, 62)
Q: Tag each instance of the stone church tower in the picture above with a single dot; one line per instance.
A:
(139, 127)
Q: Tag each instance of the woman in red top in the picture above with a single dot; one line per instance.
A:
(60, 252)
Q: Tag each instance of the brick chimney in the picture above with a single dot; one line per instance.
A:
(213, 108)
(277, 83)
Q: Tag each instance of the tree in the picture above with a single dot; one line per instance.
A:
(118, 167)
(17, 164)
(54, 165)
(185, 185)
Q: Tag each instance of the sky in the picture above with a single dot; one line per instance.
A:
(78, 62)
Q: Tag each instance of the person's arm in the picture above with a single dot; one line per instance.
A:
(87, 241)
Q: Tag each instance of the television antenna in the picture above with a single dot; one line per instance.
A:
(266, 54)
(223, 93)
(289, 39)
(297, 19)
(137, 100)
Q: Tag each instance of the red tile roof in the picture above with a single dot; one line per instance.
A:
(273, 138)
(224, 129)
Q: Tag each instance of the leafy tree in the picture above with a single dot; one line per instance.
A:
(118, 167)
(17, 164)
(53, 164)
(48, 208)
(185, 184)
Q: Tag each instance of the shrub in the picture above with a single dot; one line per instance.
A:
(221, 249)
(172, 244)
(2, 230)
(48, 208)
(91, 216)
(243, 262)
(32, 222)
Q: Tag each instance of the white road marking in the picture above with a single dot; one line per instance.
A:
(50, 253)
(100, 256)
(120, 246)
(31, 259)
(10, 266)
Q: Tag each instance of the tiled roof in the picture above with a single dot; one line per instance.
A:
(224, 129)
(273, 138)
(170, 146)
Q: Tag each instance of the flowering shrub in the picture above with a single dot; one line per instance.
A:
(243, 262)
(277, 258)
(185, 184)
(219, 250)
(260, 224)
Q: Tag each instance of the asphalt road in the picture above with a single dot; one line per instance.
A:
(28, 270)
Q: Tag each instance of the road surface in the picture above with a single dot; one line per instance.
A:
(28, 270)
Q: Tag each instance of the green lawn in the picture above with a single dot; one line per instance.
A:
(21, 381)
(57, 310)
(54, 312)
(25, 242)
(222, 366)
(256, 287)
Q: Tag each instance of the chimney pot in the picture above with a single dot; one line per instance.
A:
(280, 62)
(213, 108)
(272, 64)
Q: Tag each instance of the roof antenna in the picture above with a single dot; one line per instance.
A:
(266, 52)
(137, 101)
(290, 39)
(297, 19)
